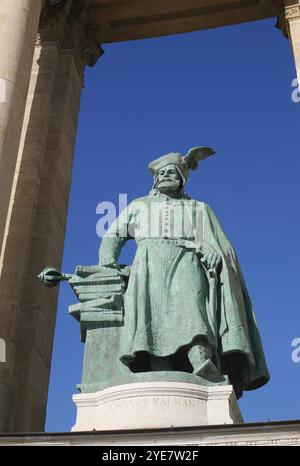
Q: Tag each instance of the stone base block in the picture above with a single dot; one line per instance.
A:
(148, 405)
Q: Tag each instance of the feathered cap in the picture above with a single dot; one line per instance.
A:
(183, 163)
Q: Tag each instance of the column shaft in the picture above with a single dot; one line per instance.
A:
(19, 227)
(19, 25)
(35, 324)
(35, 227)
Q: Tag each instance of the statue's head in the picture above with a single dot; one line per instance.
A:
(168, 179)
(170, 172)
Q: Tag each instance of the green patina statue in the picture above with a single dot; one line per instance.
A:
(182, 312)
(187, 308)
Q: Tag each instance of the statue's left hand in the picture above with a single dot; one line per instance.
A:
(210, 257)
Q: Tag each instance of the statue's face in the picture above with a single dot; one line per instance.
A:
(168, 179)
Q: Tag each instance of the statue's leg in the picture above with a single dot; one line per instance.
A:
(161, 364)
(200, 357)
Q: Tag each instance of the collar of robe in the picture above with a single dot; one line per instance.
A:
(157, 193)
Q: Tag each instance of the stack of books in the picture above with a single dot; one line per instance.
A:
(100, 292)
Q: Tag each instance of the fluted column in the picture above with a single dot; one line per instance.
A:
(35, 227)
(18, 29)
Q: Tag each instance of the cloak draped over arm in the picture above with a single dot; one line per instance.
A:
(240, 346)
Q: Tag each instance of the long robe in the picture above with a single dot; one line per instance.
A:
(172, 301)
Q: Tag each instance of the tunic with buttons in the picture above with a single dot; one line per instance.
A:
(166, 299)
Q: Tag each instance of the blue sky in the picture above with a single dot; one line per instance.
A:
(228, 88)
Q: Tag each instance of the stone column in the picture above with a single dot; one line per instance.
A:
(35, 227)
(292, 17)
(289, 23)
(18, 28)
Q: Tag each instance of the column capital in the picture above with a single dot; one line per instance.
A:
(292, 11)
(287, 10)
(67, 23)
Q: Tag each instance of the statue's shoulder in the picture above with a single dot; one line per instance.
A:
(208, 211)
(144, 199)
(196, 202)
(204, 206)
(136, 203)
(208, 208)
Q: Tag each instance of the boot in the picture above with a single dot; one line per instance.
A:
(200, 359)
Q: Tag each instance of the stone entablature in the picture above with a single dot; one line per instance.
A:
(128, 20)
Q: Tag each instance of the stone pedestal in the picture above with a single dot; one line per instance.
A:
(154, 405)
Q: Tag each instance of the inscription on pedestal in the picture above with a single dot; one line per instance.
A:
(155, 402)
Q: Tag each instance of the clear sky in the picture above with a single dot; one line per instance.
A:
(228, 88)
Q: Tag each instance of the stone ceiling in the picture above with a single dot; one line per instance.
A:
(120, 20)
